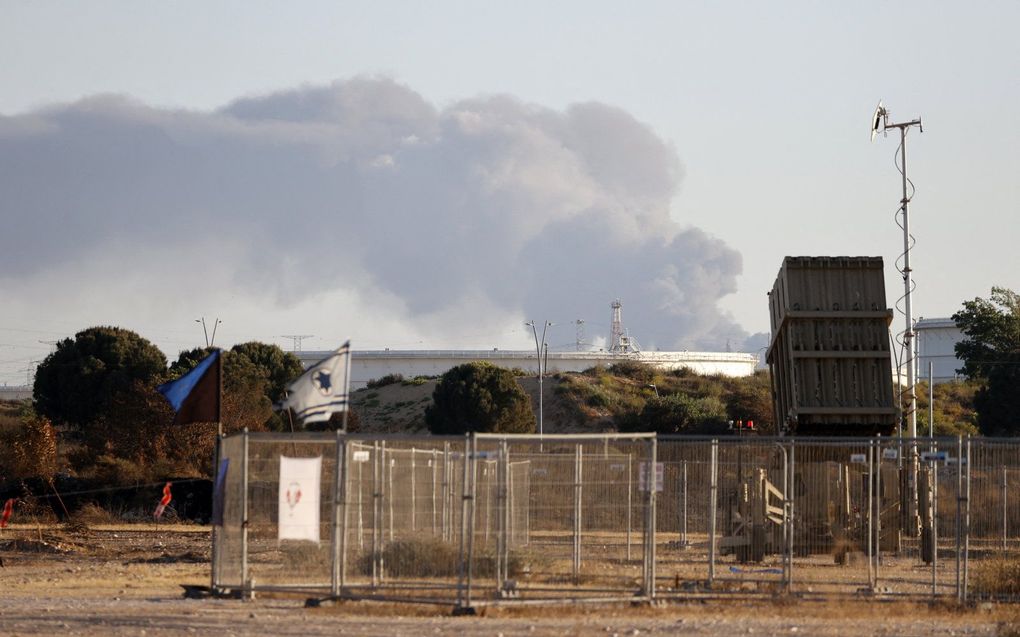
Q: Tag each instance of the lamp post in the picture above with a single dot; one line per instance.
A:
(208, 342)
(541, 367)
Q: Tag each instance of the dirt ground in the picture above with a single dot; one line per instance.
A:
(127, 580)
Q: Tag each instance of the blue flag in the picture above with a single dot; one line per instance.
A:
(196, 395)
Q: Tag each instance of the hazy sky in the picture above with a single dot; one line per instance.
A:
(430, 175)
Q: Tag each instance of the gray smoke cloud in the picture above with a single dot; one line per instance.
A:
(451, 215)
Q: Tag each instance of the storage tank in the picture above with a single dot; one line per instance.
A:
(830, 348)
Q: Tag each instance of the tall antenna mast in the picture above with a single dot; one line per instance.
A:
(296, 338)
(880, 120)
(880, 123)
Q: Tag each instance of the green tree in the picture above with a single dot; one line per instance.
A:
(278, 367)
(479, 396)
(991, 356)
(75, 383)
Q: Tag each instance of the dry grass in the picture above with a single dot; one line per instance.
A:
(997, 577)
(432, 558)
(91, 514)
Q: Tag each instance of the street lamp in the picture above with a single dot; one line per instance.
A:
(208, 342)
(541, 368)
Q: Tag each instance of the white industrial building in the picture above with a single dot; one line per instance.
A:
(936, 342)
(372, 364)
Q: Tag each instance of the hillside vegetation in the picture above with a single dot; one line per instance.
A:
(623, 398)
(599, 399)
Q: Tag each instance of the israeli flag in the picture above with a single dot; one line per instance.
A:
(322, 389)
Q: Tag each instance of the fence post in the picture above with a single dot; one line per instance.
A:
(244, 514)
(488, 500)
(630, 488)
(339, 516)
(934, 529)
(507, 512)
(377, 464)
(388, 488)
(577, 513)
(966, 527)
(786, 517)
(414, 500)
(472, 483)
(871, 511)
(361, 509)
(712, 503)
(683, 522)
(878, 508)
(959, 517)
(447, 476)
(466, 529)
(792, 519)
(1004, 500)
(435, 463)
(652, 485)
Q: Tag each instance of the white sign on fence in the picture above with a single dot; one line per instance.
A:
(890, 454)
(299, 498)
(660, 469)
(859, 458)
(360, 456)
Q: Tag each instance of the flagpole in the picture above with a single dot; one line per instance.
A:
(347, 387)
(219, 405)
(290, 418)
(213, 552)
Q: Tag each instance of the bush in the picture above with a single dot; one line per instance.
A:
(388, 379)
(599, 398)
(417, 381)
(433, 558)
(479, 396)
(633, 370)
(678, 413)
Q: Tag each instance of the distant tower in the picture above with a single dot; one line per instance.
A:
(619, 341)
(297, 338)
(579, 342)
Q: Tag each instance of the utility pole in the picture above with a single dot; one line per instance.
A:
(539, 347)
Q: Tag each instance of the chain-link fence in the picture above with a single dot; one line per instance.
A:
(489, 519)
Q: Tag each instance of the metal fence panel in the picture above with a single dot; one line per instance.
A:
(485, 519)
